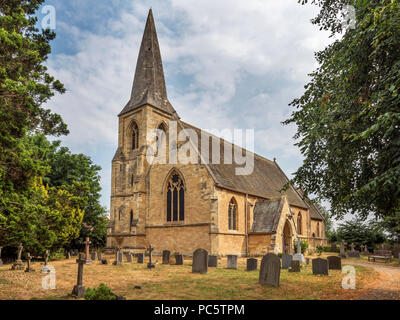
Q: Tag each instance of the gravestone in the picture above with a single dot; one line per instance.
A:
(118, 257)
(178, 259)
(294, 266)
(29, 260)
(333, 247)
(150, 265)
(18, 265)
(365, 250)
(94, 256)
(307, 261)
(320, 266)
(200, 261)
(298, 256)
(99, 256)
(352, 247)
(79, 290)
(104, 261)
(46, 256)
(87, 250)
(232, 262)
(286, 260)
(334, 263)
(68, 255)
(129, 257)
(353, 254)
(212, 261)
(166, 257)
(270, 270)
(1, 261)
(140, 258)
(342, 253)
(251, 264)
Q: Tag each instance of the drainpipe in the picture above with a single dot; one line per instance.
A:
(246, 228)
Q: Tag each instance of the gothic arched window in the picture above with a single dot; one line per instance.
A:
(175, 198)
(318, 234)
(135, 136)
(161, 140)
(232, 215)
(299, 221)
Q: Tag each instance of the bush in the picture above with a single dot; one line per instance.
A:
(57, 255)
(101, 293)
(320, 249)
(304, 246)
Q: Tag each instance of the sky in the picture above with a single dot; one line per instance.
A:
(228, 64)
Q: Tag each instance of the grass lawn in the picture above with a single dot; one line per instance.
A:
(177, 282)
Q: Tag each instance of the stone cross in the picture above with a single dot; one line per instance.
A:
(79, 289)
(29, 259)
(87, 248)
(150, 264)
(299, 246)
(352, 246)
(20, 248)
(362, 247)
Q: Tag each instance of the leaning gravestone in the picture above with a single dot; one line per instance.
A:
(232, 262)
(294, 266)
(320, 266)
(166, 254)
(270, 270)
(200, 261)
(212, 261)
(286, 260)
(334, 263)
(178, 259)
(140, 258)
(251, 264)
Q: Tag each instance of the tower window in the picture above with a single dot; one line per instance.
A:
(135, 136)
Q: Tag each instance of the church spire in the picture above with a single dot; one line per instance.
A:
(149, 83)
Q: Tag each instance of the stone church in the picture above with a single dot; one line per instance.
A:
(182, 207)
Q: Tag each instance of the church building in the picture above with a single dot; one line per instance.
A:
(181, 207)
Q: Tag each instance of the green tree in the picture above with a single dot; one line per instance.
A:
(391, 224)
(348, 119)
(359, 232)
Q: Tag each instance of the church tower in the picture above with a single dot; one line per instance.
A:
(147, 109)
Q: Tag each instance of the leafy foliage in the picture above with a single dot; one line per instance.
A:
(101, 293)
(304, 246)
(348, 119)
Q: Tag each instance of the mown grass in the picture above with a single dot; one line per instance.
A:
(177, 282)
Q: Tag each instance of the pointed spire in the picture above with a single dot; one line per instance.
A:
(149, 83)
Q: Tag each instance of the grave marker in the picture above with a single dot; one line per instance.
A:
(270, 270)
(320, 266)
(200, 261)
(79, 290)
(232, 262)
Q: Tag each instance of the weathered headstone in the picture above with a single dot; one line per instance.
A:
(99, 256)
(140, 258)
(232, 261)
(166, 254)
(87, 250)
(286, 260)
(353, 254)
(79, 290)
(1, 261)
(118, 257)
(200, 261)
(251, 264)
(342, 253)
(129, 257)
(29, 261)
(18, 265)
(270, 270)
(46, 257)
(352, 247)
(94, 256)
(320, 266)
(294, 266)
(150, 265)
(178, 259)
(334, 263)
(212, 261)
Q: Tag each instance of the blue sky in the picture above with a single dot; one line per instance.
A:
(228, 64)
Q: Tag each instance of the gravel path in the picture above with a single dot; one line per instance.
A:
(386, 287)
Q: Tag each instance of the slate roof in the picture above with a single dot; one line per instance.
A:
(266, 181)
(266, 216)
(149, 82)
